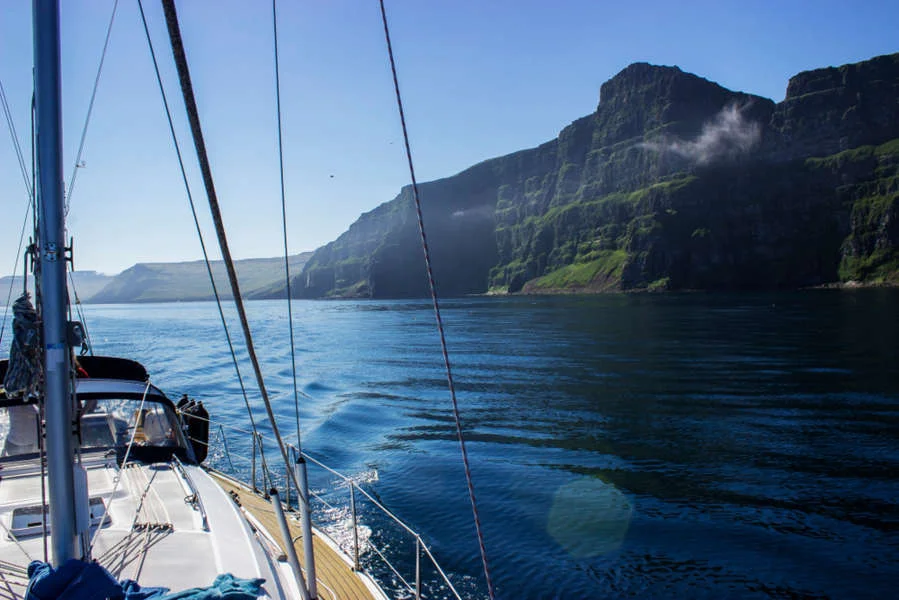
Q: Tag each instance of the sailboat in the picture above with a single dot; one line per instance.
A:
(102, 488)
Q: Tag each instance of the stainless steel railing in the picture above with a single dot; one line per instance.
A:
(380, 561)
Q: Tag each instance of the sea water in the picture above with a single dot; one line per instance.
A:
(645, 446)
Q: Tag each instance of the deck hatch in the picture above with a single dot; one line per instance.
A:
(26, 520)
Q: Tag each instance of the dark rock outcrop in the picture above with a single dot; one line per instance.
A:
(673, 183)
(827, 111)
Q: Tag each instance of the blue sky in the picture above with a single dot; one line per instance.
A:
(479, 78)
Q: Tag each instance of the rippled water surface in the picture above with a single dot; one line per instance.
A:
(653, 446)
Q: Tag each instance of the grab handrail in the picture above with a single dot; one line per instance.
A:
(257, 445)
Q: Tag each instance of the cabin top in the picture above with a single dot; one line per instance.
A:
(102, 367)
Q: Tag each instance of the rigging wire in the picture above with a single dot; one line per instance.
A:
(10, 535)
(15, 264)
(90, 110)
(78, 163)
(42, 450)
(42, 453)
(293, 353)
(118, 478)
(80, 311)
(36, 264)
(15, 140)
(30, 191)
(171, 18)
(433, 288)
(193, 211)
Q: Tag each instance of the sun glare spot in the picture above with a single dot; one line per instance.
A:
(589, 517)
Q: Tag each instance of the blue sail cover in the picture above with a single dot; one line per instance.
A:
(75, 580)
(79, 580)
(225, 587)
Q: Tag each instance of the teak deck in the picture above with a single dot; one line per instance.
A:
(336, 578)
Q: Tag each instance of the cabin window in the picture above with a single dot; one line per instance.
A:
(106, 423)
(111, 422)
(19, 430)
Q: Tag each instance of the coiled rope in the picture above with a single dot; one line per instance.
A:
(436, 303)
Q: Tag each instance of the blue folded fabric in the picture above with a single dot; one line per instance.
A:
(225, 587)
(74, 580)
(79, 580)
(131, 590)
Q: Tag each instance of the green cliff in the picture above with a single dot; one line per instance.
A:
(673, 183)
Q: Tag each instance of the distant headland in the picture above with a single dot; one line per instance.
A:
(176, 282)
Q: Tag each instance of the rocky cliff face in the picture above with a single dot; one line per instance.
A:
(827, 111)
(381, 254)
(673, 183)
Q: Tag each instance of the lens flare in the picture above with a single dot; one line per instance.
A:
(589, 517)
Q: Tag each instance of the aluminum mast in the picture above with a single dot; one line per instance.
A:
(53, 297)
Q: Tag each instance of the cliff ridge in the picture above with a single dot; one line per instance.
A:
(674, 182)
